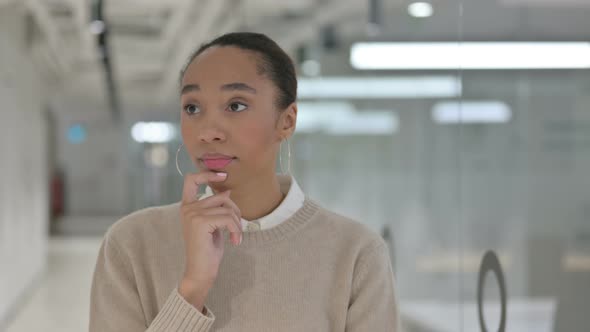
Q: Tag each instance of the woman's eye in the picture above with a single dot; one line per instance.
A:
(237, 107)
(191, 109)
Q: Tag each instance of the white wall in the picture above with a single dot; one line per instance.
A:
(23, 167)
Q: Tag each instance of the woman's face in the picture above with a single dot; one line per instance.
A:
(228, 108)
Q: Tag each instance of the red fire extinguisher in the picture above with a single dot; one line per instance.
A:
(57, 194)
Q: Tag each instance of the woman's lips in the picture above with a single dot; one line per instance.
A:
(218, 163)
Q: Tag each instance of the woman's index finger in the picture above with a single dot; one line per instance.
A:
(193, 182)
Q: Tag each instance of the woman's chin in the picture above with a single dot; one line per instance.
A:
(219, 186)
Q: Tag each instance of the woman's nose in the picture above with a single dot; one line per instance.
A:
(211, 133)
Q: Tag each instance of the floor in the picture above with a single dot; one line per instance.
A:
(60, 302)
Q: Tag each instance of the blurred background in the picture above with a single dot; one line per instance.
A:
(454, 128)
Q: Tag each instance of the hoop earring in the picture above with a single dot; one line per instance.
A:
(178, 167)
(288, 156)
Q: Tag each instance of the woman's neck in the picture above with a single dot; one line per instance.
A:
(258, 197)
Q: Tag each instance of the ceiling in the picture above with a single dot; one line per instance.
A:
(151, 39)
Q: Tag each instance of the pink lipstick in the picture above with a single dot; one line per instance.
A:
(217, 164)
(216, 161)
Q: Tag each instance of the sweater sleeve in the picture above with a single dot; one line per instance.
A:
(372, 305)
(115, 304)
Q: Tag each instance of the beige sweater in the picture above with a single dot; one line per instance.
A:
(316, 271)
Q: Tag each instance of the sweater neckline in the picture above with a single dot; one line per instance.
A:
(281, 231)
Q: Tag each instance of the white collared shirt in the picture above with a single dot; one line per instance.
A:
(292, 202)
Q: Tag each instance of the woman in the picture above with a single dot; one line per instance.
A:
(287, 263)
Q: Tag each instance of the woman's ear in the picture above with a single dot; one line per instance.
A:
(287, 121)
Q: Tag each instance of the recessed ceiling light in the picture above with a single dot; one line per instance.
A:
(411, 87)
(153, 132)
(420, 9)
(451, 112)
(470, 55)
(341, 118)
(97, 27)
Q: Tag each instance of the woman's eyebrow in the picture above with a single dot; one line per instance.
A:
(238, 86)
(189, 88)
(226, 87)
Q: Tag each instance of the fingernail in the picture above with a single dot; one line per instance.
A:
(222, 174)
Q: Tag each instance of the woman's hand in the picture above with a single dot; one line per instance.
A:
(202, 223)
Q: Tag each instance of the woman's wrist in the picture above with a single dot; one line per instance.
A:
(193, 294)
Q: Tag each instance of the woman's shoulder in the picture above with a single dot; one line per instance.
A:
(153, 221)
(347, 229)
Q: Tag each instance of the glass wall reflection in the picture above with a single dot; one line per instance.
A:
(448, 152)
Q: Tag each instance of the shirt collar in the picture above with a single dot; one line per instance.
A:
(292, 202)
